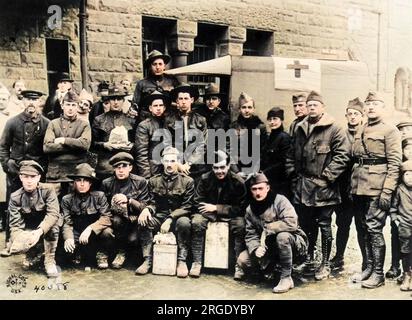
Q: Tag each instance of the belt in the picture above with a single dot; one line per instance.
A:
(370, 161)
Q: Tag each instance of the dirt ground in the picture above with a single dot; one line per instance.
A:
(123, 284)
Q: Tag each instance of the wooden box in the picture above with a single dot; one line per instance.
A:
(217, 245)
(164, 259)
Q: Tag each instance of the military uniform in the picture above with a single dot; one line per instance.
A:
(377, 155)
(37, 210)
(63, 158)
(229, 197)
(173, 198)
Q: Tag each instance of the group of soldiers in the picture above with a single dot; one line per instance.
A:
(96, 180)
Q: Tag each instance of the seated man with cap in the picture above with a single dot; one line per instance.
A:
(35, 207)
(189, 131)
(129, 197)
(272, 232)
(219, 196)
(147, 138)
(156, 80)
(112, 132)
(22, 139)
(86, 228)
(173, 194)
(66, 142)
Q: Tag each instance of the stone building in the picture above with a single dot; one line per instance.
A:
(40, 38)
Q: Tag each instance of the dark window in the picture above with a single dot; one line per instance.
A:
(205, 48)
(57, 54)
(155, 32)
(258, 43)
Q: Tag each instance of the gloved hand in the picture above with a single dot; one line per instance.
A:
(385, 200)
(165, 227)
(69, 245)
(12, 167)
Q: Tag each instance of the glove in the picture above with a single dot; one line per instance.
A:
(12, 167)
(385, 200)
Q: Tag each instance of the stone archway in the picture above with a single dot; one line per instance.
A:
(403, 87)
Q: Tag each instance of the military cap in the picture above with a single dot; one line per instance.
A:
(155, 54)
(403, 124)
(32, 94)
(30, 167)
(147, 100)
(212, 90)
(71, 96)
(276, 112)
(314, 96)
(170, 150)
(64, 76)
(374, 96)
(121, 157)
(245, 98)
(256, 178)
(184, 87)
(355, 104)
(299, 97)
(406, 166)
(115, 91)
(83, 170)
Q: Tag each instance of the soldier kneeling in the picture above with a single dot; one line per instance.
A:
(35, 208)
(272, 232)
(87, 220)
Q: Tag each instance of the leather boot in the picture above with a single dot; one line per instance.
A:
(367, 269)
(239, 273)
(49, 258)
(195, 270)
(393, 272)
(102, 260)
(406, 283)
(181, 269)
(119, 260)
(324, 270)
(145, 267)
(337, 263)
(284, 285)
(377, 278)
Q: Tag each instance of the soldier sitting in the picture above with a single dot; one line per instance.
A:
(35, 207)
(173, 197)
(86, 219)
(272, 232)
(129, 196)
(219, 196)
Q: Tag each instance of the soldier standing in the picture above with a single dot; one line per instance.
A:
(156, 80)
(147, 138)
(173, 194)
(345, 210)
(377, 155)
(300, 110)
(219, 196)
(319, 155)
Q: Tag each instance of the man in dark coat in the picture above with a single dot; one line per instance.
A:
(215, 117)
(86, 228)
(275, 147)
(128, 195)
(52, 108)
(318, 156)
(219, 196)
(272, 232)
(377, 154)
(156, 80)
(147, 136)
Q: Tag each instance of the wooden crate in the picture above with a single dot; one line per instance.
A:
(217, 245)
(164, 259)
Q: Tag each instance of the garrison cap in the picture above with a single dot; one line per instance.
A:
(256, 178)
